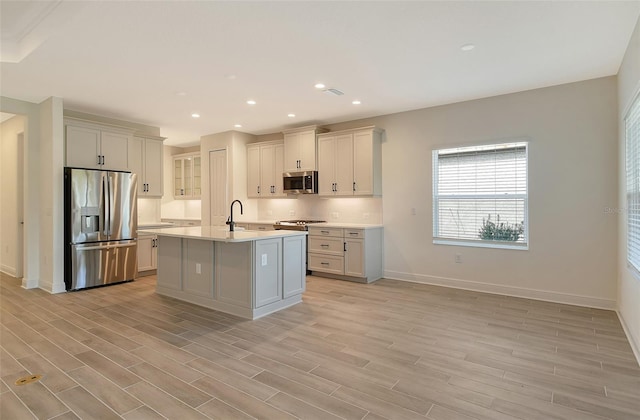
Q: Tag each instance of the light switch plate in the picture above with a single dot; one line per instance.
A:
(264, 259)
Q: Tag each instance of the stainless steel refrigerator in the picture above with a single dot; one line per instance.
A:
(101, 221)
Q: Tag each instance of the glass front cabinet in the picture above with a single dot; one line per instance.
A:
(186, 176)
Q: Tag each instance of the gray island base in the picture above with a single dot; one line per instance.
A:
(249, 274)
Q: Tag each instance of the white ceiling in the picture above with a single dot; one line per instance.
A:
(131, 60)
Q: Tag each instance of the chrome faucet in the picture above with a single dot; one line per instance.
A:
(230, 221)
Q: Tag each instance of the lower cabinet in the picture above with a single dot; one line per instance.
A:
(269, 274)
(147, 252)
(350, 254)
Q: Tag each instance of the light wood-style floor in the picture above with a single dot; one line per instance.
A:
(354, 351)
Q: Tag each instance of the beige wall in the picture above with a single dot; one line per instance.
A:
(572, 131)
(628, 283)
(10, 255)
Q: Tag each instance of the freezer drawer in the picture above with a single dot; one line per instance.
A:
(102, 263)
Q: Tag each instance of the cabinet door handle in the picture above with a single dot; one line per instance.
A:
(99, 160)
(345, 247)
(258, 189)
(354, 186)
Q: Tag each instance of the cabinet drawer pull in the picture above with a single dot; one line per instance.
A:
(324, 232)
(324, 245)
(353, 233)
(324, 263)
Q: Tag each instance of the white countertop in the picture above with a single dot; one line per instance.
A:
(154, 225)
(221, 234)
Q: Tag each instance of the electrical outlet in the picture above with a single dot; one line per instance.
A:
(264, 259)
(413, 211)
(458, 259)
(198, 268)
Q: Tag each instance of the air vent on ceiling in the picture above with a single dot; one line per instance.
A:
(333, 91)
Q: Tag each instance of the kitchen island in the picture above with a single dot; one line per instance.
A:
(245, 273)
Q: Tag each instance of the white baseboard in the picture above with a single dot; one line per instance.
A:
(634, 345)
(29, 283)
(52, 288)
(11, 271)
(498, 289)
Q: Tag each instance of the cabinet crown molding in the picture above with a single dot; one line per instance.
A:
(148, 136)
(352, 130)
(79, 122)
(317, 129)
(266, 143)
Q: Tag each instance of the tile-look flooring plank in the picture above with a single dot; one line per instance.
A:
(390, 349)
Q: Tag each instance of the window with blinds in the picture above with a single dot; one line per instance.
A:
(480, 196)
(632, 140)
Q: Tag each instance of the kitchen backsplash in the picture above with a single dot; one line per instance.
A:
(182, 209)
(341, 210)
(148, 210)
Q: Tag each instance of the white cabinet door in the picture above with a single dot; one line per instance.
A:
(82, 147)
(293, 271)
(344, 165)
(300, 151)
(197, 177)
(307, 150)
(153, 167)
(267, 170)
(326, 165)
(354, 257)
(292, 152)
(268, 271)
(113, 148)
(136, 161)
(278, 170)
(178, 177)
(147, 252)
(253, 171)
(363, 163)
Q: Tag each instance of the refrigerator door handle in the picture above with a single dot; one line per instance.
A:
(109, 205)
(93, 248)
(105, 207)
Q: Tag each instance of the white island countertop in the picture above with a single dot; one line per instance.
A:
(221, 234)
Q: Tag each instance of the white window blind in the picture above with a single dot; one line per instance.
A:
(632, 136)
(481, 186)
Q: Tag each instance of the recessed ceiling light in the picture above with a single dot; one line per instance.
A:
(181, 93)
(291, 115)
(467, 47)
(251, 102)
(319, 86)
(194, 115)
(356, 102)
(237, 125)
(230, 76)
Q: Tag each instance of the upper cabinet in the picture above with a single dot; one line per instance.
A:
(187, 176)
(350, 162)
(300, 149)
(93, 146)
(265, 165)
(145, 159)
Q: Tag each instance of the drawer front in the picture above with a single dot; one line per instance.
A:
(329, 245)
(262, 227)
(353, 233)
(326, 263)
(331, 232)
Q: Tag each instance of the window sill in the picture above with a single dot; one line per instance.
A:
(482, 244)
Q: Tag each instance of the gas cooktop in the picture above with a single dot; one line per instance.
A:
(299, 222)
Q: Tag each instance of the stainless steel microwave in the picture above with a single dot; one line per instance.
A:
(300, 182)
